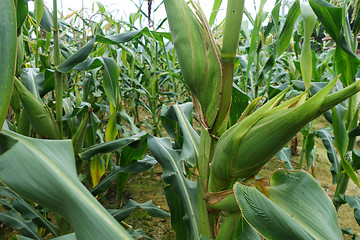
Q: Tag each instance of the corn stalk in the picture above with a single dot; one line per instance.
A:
(225, 155)
(57, 75)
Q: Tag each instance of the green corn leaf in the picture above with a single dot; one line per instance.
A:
(229, 226)
(354, 202)
(349, 170)
(19, 54)
(69, 111)
(39, 11)
(26, 227)
(275, 12)
(346, 62)
(47, 20)
(8, 41)
(111, 146)
(38, 115)
(133, 167)
(329, 15)
(356, 26)
(33, 80)
(181, 114)
(309, 20)
(248, 232)
(328, 142)
(214, 11)
(255, 37)
(79, 135)
(294, 204)
(111, 75)
(26, 210)
(267, 68)
(85, 51)
(130, 206)
(177, 214)
(340, 133)
(240, 101)
(285, 156)
(173, 174)
(283, 42)
(48, 168)
(21, 12)
(134, 151)
(70, 236)
(309, 148)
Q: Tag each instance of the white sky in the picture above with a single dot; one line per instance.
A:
(123, 8)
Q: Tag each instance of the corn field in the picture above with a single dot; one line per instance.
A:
(88, 102)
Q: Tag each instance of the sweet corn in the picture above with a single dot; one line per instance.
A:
(199, 59)
(244, 148)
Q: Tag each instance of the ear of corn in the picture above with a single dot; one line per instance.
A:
(198, 57)
(38, 115)
(250, 143)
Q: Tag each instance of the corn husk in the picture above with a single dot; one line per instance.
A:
(244, 148)
(198, 57)
(37, 113)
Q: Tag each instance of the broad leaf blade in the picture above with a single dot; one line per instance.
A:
(174, 175)
(130, 206)
(329, 15)
(285, 156)
(296, 206)
(214, 11)
(133, 167)
(111, 146)
(26, 210)
(26, 227)
(48, 168)
(33, 80)
(328, 142)
(286, 33)
(8, 41)
(181, 114)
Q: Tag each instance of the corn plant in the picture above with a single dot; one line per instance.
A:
(32, 100)
(211, 189)
(336, 22)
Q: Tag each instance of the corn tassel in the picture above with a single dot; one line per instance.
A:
(249, 144)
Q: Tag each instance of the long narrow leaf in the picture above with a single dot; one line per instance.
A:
(328, 142)
(85, 51)
(48, 168)
(294, 204)
(191, 140)
(173, 175)
(130, 206)
(8, 41)
(214, 11)
(26, 227)
(108, 147)
(26, 210)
